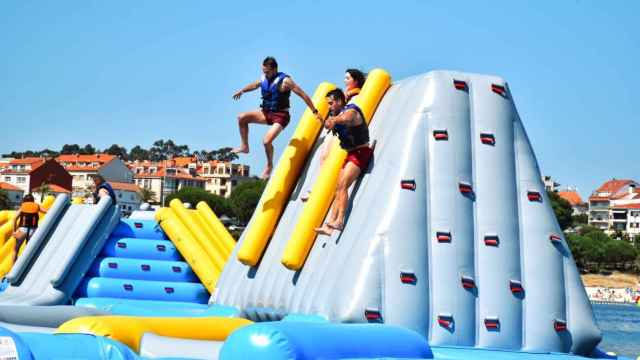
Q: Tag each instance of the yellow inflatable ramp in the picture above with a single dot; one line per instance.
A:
(322, 193)
(279, 188)
(8, 242)
(200, 237)
(129, 329)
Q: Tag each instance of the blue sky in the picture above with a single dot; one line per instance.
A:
(131, 72)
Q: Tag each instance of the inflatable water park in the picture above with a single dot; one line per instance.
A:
(451, 250)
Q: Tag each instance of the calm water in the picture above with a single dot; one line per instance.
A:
(620, 325)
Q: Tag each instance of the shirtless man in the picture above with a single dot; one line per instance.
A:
(276, 88)
(347, 122)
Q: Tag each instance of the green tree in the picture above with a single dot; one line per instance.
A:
(70, 149)
(138, 153)
(244, 198)
(582, 219)
(147, 195)
(118, 150)
(5, 203)
(193, 196)
(88, 150)
(561, 208)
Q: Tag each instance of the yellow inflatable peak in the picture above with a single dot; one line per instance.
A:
(322, 193)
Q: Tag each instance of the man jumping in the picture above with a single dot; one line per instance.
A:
(348, 123)
(276, 88)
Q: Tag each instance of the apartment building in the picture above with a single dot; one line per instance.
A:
(615, 207)
(164, 178)
(221, 177)
(29, 174)
(84, 167)
(127, 195)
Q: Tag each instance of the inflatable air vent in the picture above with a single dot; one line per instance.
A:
(408, 184)
(460, 85)
(440, 135)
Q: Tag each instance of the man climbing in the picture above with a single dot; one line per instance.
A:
(348, 123)
(276, 88)
(103, 188)
(26, 221)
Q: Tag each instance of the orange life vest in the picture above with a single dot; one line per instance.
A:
(29, 215)
(351, 93)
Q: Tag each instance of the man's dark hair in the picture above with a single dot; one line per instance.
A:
(28, 198)
(99, 178)
(358, 76)
(270, 61)
(337, 94)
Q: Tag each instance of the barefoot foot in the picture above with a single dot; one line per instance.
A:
(336, 226)
(266, 173)
(244, 149)
(324, 230)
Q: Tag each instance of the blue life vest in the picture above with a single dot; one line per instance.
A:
(272, 98)
(352, 136)
(105, 185)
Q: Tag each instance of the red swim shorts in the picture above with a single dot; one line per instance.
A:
(360, 157)
(277, 117)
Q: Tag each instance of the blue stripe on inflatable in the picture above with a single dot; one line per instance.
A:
(313, 340)
(144, 290)
(75, 346)
(142, 269)
(141, 249)
(142, 229)
(157, 308)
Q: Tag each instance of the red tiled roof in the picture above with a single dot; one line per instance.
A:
(627, 206)
(124, 186)
(611, 187)
(26, 161)
(9, 187)
(571, 196)
(101, 158)
(81, 168)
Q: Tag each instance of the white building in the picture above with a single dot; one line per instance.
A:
(615, 207)
(163, 178)
(222, 177)
(127, 196)
(14, 194)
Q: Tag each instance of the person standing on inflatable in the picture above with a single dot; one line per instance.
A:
(103, 188)
(348, 123)
(26, 221)
(276, 88)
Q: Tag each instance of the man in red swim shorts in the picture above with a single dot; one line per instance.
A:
(347, 122)
(276, 88)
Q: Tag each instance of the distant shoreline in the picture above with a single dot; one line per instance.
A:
(617, 288)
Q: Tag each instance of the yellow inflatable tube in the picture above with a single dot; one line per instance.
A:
(129, 329)
(206, 240)
(212, 221)
(194, 233)
(284, 179)
(9, 242)
(322, 193)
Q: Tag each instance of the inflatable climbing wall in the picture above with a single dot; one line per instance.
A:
(450, 232)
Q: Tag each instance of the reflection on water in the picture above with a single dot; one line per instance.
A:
(620, 325)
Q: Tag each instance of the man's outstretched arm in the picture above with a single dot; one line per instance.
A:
(252, 86)
(298, 91)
